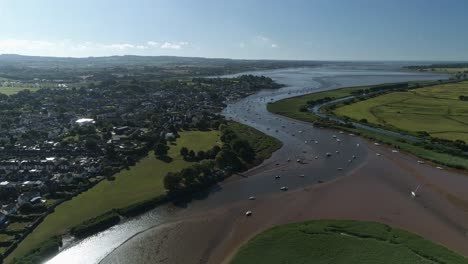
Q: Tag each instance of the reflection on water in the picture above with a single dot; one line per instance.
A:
(252, 111)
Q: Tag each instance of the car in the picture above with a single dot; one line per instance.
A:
(252, 198)
(248, 213)
(341, 132)
(284, 188)
(338, 140)
(334, 136)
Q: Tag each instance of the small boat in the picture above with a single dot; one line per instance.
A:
(420, 162)
(248, 213)
(378, 154)
(277, 177)
(340, 169)
(284, 188)
(302, 175)
(328, 154)
(252, 198)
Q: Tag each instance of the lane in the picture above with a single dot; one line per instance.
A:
(368, 187)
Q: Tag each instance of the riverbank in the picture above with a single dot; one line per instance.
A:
(299, 108)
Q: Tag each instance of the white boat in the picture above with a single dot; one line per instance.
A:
(284, 188)
(248, 213)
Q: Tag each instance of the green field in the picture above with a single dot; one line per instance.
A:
(290, 107)
(9, 90)
(143, 181)
(342, 242)
(436, 110)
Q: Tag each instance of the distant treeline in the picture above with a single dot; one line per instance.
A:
(439, 65)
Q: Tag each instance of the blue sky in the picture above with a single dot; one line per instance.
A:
(250, 29)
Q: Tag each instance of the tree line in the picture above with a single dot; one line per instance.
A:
(233, 156)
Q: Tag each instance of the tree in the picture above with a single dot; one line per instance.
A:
(228, 135)
(191, 155)
(227, 159)
(201, 155)
(184, 151)
(91, 144)
(243, 149)
(172, 182)
(161, 150)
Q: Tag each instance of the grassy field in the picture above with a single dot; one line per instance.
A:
(436, 110)
(141, 182)
(9, 90)
(342, 242)
(290, 107)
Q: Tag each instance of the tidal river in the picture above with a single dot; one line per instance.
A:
(207, 230)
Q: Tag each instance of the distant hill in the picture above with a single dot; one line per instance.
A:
(52, 62)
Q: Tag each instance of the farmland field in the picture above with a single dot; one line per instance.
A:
(436, 110)
(342, 242)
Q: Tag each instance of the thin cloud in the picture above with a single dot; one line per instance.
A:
(85, 48)
(176, 46)
(262, 42)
